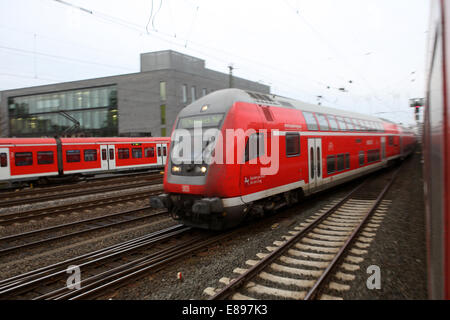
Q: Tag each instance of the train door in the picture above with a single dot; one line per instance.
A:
(383, 148)
(111, 157)
(315, 162)
(5, 172)
(104, 157)
(161, 151)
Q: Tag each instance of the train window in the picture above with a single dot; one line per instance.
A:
(91, 154)
(149, 152)
(164, 151)
(349, 124)
(73, 156)
(333, 123)
(347, 161)
(45, 157)
(292, 144)
(323, 123)
(23, 158)
(331, 164)
(391, 140)
(159, 151)
(340, 162)
(111, 154)
(319, 165)
(342, 124)
(103, 155)
(311, 122)
(358, 125)
(136, 153)
(311, 162)
(361, 158)
(3, 159)
(124, 153)
(373, 155)
(254, 147)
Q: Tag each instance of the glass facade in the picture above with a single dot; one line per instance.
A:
(42, 115)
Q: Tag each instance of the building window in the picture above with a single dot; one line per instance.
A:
(292, 144)
(162, 90)
(41, 115)
(193, 93)
(45, 157)
(184, 91)
(163, 113)
(23, 159)
(203, 92)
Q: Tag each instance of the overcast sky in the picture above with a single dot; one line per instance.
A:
(375, 49)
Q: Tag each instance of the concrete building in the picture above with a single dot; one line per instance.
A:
(138, 104)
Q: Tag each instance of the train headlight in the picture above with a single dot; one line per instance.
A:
(176, 169)
(203, 169)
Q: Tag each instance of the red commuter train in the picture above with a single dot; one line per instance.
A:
(290, 149)
(436, 151)
(28, 159)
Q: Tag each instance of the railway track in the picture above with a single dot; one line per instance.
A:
(22, 241)
(110, 268)
(309, 262)
(15, 199)
(25, 216)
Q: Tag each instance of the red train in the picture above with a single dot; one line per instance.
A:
(28, 159)
(436, 152)
(290, 149)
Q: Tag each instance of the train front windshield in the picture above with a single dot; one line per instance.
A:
(194, 138)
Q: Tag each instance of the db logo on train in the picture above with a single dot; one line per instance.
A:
(185, 188)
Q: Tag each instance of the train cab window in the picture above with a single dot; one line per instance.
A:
(331, 164)
(123, 153)
(347, 161)
(73, 156)
(3, 159)
(311, 122)
(254, 147)
(136, 153)
(323, 123)
(292, 144)
(340, 162)
(23, 158)
(342, 124)
(111, 154)
(350, 125)
(149, 152)
(361, 158)
(91, 154)
(45, 157)
(333, 123)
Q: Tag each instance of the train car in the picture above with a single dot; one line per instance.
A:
(436, 152)
(29, 159)
(267, 152)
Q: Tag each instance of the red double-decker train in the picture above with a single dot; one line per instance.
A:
(293, 149)
(29, 159)
(436, 151)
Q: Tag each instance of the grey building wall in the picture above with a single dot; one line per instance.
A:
(138, 94)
